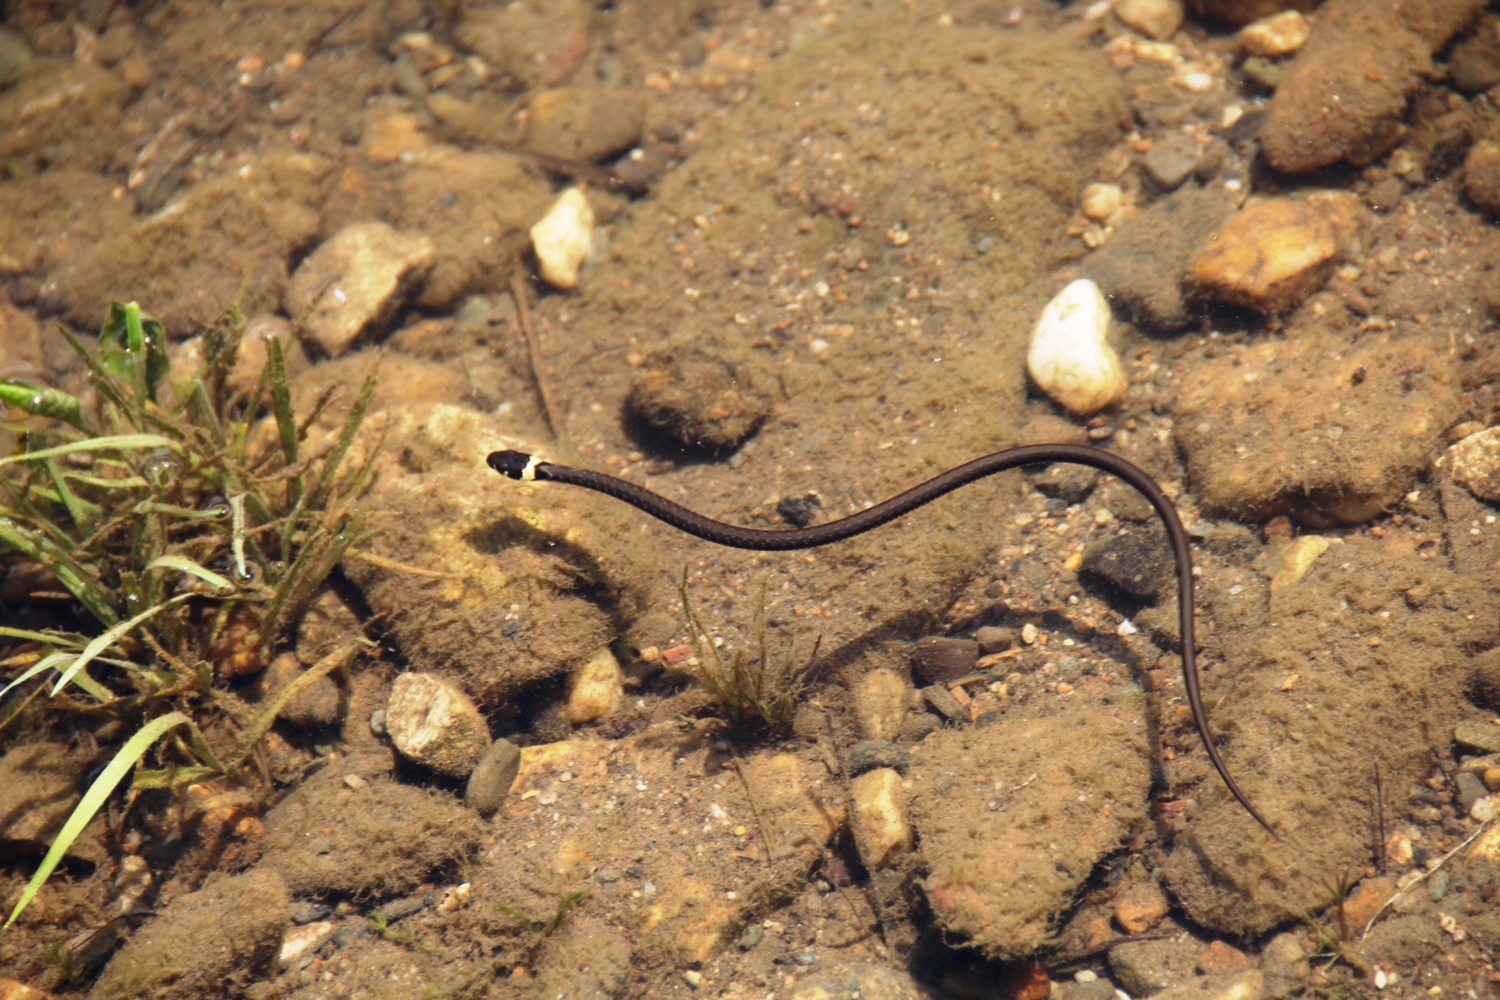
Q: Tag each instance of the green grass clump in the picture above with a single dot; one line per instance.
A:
(192, 542)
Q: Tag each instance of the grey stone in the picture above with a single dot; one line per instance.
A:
(306, 913)
(1171, 160)
(1067, 481)
(943, 702)
(1137, 562)
(1470, 789)
(919, 725)
(493, 777)
(867, 755)
(403, 908)
(1140, 269)
(1148, 967)
(1481, 736)
(1484, 679)
(354, 282)
(994, 639)
(1285, 964)
(939, 660)
(1241, 986)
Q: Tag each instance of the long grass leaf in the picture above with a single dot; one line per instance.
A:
(129, 482)
(346, 438)
(82, 512)
(46, 663)
(44, 401)
(111, 635)
(119, 442)
(80, 583)
(335, 660)
(187, 565)
(130, 754)
(60, 638)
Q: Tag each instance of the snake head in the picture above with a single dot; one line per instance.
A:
(515, 464)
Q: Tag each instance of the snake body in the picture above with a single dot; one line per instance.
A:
(521, 466)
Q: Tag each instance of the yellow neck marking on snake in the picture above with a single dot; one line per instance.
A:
(529, 473)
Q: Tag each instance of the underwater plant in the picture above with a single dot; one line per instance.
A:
(190, 531)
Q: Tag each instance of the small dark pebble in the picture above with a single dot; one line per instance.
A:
(798, 511)
(403, 908)
(752, 936)
(867, 755)
(1135, 562)
(1068, 482)
(1470, 789)
(937, 660)
(348, 931)
(994, 639)
(943, 702)
(308, 912)
(607, 875)
(918, 726)
(636, 871)
(323, 845)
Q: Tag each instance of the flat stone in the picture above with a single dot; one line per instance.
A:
(1049, 429)
(1140, 269)
(994, 639)
(1285, 964)
(1067, 481)
(1141, 907)
(1262, 435)
(702, 401)
(1273, 254)
(881, 701)
(869, 981)
(1156, 19)
(943, 702)
(1470, 790)
(435, 724)
(939, 660)
(213, 942)
(1138, 562)
(1220, 959)
(867, 755)
(355, 282)
(1171, 160)
(584, 124)
(1147, 968)
(1000, 872)
(317, 706)
(303, 941)
(1483, 737)
(1248, 985)
(493, 777)
(1484, 679)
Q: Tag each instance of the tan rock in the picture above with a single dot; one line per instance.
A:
(1245, 986)
(1158, 19)
(881, 701)
(1141, 907)
(1277, 35)
(391, 136)
(1475, 463)
(355, 281)
(1364, 901)
(1297, 559)
(1220, 959)
(595, 688)
(12, 990)
(1070, 356)
(563, 238)
(1273, 254)
(433, 723)
(1101, 202)
(884, 830)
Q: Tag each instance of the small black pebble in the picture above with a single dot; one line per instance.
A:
(308, 912)
(798, 511)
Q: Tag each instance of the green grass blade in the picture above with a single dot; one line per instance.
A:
(82, 512)
(128, 483)
(61, 639)
(346, 438)
(80, 583)
(130, 754)
(187, 565)
(44, 401)
(171, 777)
(46, 663)
(206, 414)
(108, 636)
(339, 658)
(115, 442)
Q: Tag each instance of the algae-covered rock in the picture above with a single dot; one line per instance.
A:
(1012, 818)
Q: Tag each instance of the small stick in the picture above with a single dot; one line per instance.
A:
(1379, 820)
(534, 354)
(765, 831)
(1419, 879)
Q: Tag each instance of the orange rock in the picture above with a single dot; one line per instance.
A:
(1273, 254)
(1362, 903)
(1220, 959)
(1022, 981)
(1140, 908)
(12, 990)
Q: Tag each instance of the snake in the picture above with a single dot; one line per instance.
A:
(519, 465)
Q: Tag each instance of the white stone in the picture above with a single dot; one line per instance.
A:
(563, 238)
(434, 723)
(1485, 808)
(1475, 463)
(1158, 19)
(301, 940)
(1070, 357)
(595, 688)
(355, 281)
(1102, 201)
(881, 701)
(1277, 35)
(885, 831)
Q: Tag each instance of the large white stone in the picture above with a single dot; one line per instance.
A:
(354, 283)
(1070, 357)
(885, 831)
(434, 723)
(563, 238)
(595, 688)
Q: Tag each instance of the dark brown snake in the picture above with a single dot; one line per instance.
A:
(519, 465)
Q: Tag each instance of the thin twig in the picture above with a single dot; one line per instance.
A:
(1059, 961)
(1379, 820)
(1419, 879)
(534, 353)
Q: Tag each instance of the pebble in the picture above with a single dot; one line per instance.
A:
(1172, 160)
(1485, 809)
(1156, 19)
(702, 401)
(11, 989)
(1147, 967)
(1482, 175)
(1481, 736)
(302, 941)
(1141, 907)
(563, 238)
(433, 723)
(454, 898)
(584, 124)
(1050, 429)
(867, 755)
(595, 688)
(1277, 35)
(493, 778)
(1068, 481)
(306, 913)
(364, 273)
(15, 58)
(1298, 559)
(1475, 463)
(1070, 357)
(1220, 959)
(1101, 202)
(316, 707)
(1285, 964)
(881, 701)
(1273, 254)
(1245, 986)
(1136, 562)
(1470, 789)
(879, 802)
(939, 660)
(919, 725)
(994, 639)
